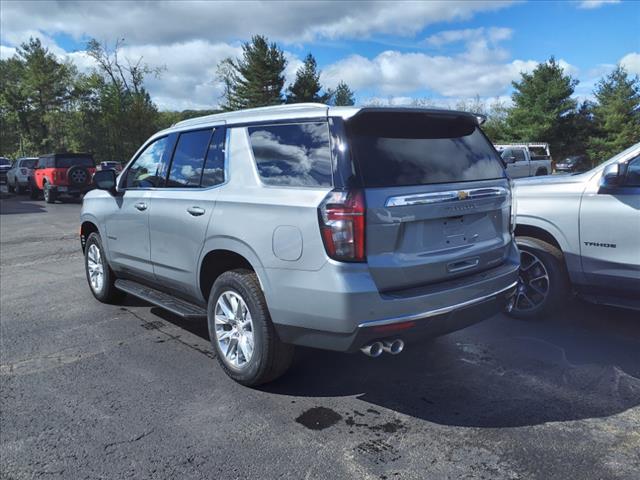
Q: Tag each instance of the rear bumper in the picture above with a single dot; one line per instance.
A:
(346, 311)
(70, 189)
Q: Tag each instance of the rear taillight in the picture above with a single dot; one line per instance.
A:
(54, 176)
(341, 216)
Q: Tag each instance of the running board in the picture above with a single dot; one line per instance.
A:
(163, 300)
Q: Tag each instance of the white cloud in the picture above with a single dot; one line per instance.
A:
(171, 22)
(6, 52)
(631, 62)
(493, 34)
(591, 4)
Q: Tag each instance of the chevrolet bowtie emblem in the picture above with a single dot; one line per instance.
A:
(462, 195)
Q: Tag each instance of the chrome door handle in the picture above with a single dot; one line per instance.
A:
(195, 211)
(141, 206)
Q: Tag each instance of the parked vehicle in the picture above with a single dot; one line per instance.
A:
(582, 233)
(5, 165)
(526, 159)
(575, 164)
(117, 166)
(340, 228)
(20, 174)
(62, 174)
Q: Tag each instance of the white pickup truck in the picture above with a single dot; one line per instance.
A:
(526, 159)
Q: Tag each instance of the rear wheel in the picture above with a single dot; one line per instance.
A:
(20, 190)
(10, 188)
(99, 275)
(543, 284)
(34, 194)
(50, 194)
(241, 331)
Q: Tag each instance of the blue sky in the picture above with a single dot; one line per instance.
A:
(443, 52)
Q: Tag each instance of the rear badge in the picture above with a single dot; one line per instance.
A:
(463, 194)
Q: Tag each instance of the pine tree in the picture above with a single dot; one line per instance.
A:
(542, 107)
(256, 79)
(343, 96)
(306, 87)
(616, 115)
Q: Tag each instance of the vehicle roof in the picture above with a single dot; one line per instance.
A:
(66, 155)
(298, 111)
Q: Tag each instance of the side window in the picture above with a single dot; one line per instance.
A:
(519, 154)
(632, 178)
(144, 172)
(213, 173)
(293, 155)
(188, 159)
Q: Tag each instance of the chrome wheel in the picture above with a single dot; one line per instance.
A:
(234, 329)
(95, 267)
(533, 283)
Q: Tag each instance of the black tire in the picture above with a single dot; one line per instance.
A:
(20, 190)
(270, 358)
(108, 292)
(10, 188)
(34, 193)
(541, 172)
(528, 302)
(50, 195)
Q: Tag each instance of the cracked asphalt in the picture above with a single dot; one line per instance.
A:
(92, 391)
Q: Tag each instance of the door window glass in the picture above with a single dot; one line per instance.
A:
(145, 170)
(519, 154)
(213, 173)
(188, 159)
(632, 178)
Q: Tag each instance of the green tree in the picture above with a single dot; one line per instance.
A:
(256, 79)
(496, 125)
(36, 86)
(343, 96)
(307, 87)
(616, 115)
(542, 107)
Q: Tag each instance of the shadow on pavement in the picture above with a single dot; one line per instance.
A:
(500, 373)
(20, 205)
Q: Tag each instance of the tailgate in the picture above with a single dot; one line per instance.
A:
(423, 235)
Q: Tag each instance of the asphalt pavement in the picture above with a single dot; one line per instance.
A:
(129, 391)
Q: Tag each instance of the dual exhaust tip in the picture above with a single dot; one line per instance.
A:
(375, 349)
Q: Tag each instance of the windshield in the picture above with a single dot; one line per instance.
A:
(406, 148)
(30, 163)
(66, 162)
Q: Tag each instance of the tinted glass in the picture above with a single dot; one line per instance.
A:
(28, 163)
(398, 148)
(213, 173)
(66, 162)
(293, 155)
(519, 154)
(4, 161)
(188, 159)
(633, 173)
(145, 171)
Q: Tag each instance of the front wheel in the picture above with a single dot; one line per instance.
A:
(543, 283)
(99, 275)
(241, 331)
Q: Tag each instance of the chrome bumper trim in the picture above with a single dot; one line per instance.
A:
(433, 313)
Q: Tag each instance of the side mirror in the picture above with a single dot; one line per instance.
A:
(610, 176)
(105, 180)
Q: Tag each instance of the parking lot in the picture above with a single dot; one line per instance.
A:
(129, 391)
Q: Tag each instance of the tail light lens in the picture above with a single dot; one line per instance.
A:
(342, 225)
(55, 176)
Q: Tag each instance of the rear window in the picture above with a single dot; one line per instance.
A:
(402, 149)
(66, 162)
(4, 161)
(293, 155)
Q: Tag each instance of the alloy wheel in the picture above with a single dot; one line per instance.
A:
(234, 329)
(95, 267)
(533, 283)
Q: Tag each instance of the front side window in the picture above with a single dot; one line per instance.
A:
(145, 170)
(188, 159)
(293, 154)
(632, 178)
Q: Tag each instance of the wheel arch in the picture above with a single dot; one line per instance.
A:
(223, 254)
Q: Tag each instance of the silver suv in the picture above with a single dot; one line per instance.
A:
(340, 228)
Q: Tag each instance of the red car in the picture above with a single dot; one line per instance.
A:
(59, 174)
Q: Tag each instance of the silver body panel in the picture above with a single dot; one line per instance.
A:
(598, 231)
(276, 230)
